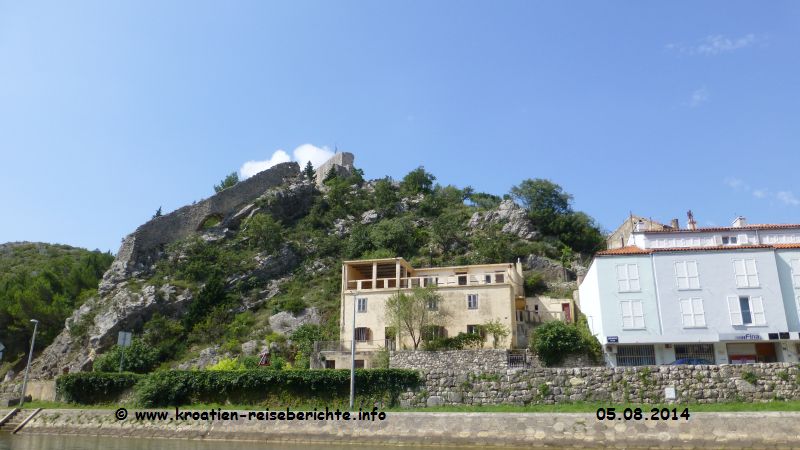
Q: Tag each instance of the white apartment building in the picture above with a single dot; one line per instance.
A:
(723, 294)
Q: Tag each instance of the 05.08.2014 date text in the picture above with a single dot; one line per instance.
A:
(639, 414)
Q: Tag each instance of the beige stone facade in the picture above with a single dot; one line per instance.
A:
(471, 295)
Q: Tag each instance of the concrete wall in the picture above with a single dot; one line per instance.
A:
(521, 430)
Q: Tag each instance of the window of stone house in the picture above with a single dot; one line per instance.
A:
(472, 301)
(361, 305)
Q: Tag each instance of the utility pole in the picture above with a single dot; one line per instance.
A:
(353, 356)
(28, 367)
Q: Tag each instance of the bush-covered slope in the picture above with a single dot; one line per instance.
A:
(239, 282)
(238, 278)
(44, 282)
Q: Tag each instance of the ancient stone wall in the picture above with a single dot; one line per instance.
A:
(141, 247)
(482, 377)
(341, 162)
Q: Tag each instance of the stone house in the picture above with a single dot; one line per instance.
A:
(472, 295)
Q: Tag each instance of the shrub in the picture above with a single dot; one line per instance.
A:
(229, 180)
(94, 387)
(139, 358)
(263, 233)
(226, 364)
(534, 285)
(303, 339)
(459, 342)
(273, 387)
(749, 376)
(554, 340)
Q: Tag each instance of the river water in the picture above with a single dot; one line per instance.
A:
(55, 442)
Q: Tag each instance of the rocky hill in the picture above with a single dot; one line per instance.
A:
(263, 257)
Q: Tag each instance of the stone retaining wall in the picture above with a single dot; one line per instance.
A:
(481, 377)
(484, 360)
(702, 430)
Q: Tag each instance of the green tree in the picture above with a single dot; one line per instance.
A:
(164, 335)
(552, 341)
(303, 339)
(309, 171)
(398, 235)
(418, 181)
(385, 199)
(414, 313)
(498, 331)
(158, 213)
(484, 201)
(263, 232)
(212, 295)
(139, 358)
(227, 182)
(544, 200)
(448, 230)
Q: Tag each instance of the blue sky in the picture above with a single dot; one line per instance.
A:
(109, 110)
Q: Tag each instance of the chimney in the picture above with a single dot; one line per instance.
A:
(674, 224)
(739, 222)
(691, 224)
(640, 226)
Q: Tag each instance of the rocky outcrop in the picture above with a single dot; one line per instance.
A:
(510, 215)
(285, 322)
(94, 326)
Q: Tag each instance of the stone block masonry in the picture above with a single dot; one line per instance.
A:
(482, 378)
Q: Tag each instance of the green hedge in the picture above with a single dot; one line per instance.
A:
(94, 387)
(279, 388)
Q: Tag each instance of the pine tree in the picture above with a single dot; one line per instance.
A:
(309, 171)
(158, 213)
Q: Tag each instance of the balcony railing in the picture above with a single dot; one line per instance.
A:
(437, 281)
(361, 346)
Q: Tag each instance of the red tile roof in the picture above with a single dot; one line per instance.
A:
(633, 250)
(763, 226)
(629, 250)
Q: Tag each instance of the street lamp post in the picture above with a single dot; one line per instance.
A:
(28, 367)
(353, 356)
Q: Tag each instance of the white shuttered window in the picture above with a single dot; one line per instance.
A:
(687, 275)
(746, 273)
(628, 278)
(746, 310)
(796, 272)
(632, 314)
(692, 313)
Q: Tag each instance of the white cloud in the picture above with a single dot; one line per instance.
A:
(307, 152)
(736, 183)
(251, 168)
(699, 96)
(788, 198)
(715, 45)
(785, 197)
(302, 154)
